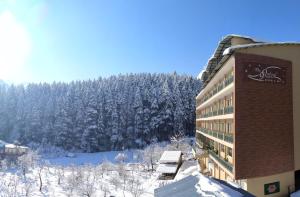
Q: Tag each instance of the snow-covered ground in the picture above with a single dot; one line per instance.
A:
(114, 173)
(83, 174)
(91, 158)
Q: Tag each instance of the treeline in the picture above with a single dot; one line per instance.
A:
(119, 112)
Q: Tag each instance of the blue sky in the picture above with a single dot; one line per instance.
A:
(66, 40)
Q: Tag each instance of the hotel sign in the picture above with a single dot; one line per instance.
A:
(272, 188)
(266, 73)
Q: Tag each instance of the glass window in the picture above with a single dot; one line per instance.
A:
(229, 150)
(222, 147)
(230, 101)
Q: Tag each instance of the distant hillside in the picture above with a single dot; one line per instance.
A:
(124, 111)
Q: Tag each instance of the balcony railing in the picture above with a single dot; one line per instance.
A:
(220, 87)
(220, 112)
(229, 80)
(199, 152)
(227, 137)
(226, 110)
(226, 164)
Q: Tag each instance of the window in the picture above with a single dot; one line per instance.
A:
(297, 179)
(229, 101)
(222, 147)
(228, 127)
(229, 150)
(222, 126)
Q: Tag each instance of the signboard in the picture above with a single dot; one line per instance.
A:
(265, 73)
(272, 188)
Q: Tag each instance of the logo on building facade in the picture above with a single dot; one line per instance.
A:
(272, 188)
(266, 73)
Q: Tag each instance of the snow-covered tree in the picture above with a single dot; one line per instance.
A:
(114, 113)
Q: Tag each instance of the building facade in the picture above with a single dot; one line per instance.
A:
(246, 115)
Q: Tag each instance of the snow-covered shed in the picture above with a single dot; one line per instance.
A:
(15, 149)
(12, 149)
(169, 163)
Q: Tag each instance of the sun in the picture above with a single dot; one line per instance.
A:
(15, 47)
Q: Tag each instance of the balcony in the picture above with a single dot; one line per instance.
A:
(227, 137)
(217, 89)
(228, 110)
(229, 80)
(224, 163)
(220, 112)
(199, 152)
(224, 111)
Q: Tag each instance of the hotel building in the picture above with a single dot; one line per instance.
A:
(248, 116)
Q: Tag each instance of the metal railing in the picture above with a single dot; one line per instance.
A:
(224, 163)
(220, 87)
(227, 137)
(225, 110)
(228, 110)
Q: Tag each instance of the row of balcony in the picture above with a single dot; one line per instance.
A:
(227, 137)
(222, 161)
(217, 89)
(226, 110)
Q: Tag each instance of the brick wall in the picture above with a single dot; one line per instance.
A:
(263, 119)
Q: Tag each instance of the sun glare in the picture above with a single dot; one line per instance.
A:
(14, 47)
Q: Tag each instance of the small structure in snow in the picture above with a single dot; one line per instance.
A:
(169, 164)
(11, 150)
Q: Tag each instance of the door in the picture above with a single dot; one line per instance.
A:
(297, 180)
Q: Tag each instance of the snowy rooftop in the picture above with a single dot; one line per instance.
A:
(14, 146)
(170, 157)
(198, 185)
(231, 49)
(167, 168)
(225, 48)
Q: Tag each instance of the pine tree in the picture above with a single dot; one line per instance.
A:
(114, 113)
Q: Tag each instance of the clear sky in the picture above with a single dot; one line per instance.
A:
(64, 40)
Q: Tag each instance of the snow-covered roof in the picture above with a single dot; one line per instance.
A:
(14, 146)
(198, 185)
(200, 74)
(225, 48)
(167, 168)
(170, 157)
(231, 49)
(10, 146)
(216, 59)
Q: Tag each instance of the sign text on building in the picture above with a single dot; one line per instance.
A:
(266, 73)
